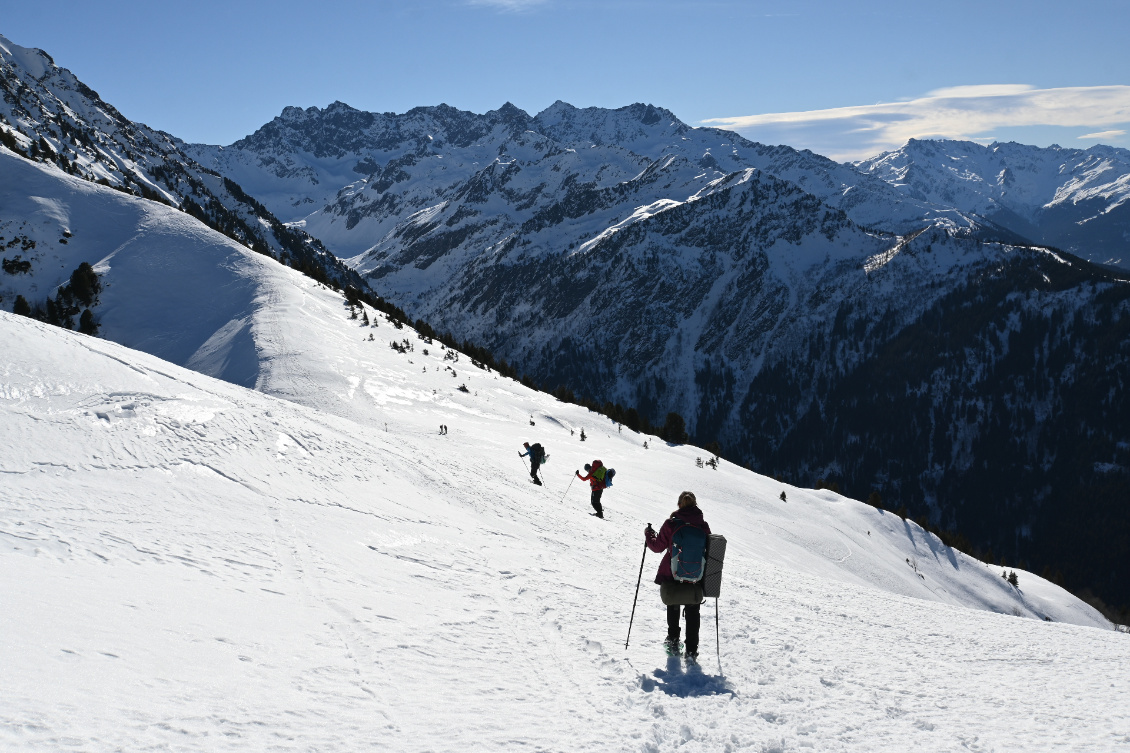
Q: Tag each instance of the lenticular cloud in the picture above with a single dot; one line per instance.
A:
(961, 112)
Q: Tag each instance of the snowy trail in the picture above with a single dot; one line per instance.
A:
(188, 565)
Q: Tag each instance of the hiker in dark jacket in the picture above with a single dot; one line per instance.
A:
(597, 485)
(537, 455)
(687, 514)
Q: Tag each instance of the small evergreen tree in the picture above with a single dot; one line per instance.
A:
(632, 419)
(84, 284)
(783, 497)
(21, 306)
(674, 429)
(583, 434)
(86, 323)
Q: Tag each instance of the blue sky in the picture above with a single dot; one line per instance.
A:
(847, 78)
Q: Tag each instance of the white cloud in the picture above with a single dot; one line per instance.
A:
(961, 112)
(1104, 135)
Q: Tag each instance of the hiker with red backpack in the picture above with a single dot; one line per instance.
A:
(598, 477)
(683, 538)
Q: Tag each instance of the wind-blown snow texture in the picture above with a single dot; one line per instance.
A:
(192, 565)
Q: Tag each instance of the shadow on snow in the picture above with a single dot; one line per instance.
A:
(684, 683)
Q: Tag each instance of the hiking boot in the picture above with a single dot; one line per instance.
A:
(537, 480)
(673, 647)
(691, 657)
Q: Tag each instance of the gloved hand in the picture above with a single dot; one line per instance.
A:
(578, 473)
(649, 532)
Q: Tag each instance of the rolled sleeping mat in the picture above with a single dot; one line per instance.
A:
(715, 555)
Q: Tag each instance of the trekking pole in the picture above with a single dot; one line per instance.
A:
(717, 640)
(637, 596)
(566, 494)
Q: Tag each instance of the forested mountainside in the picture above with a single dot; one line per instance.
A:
(1000, 412)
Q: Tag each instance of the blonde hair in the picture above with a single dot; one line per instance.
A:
(688, 498)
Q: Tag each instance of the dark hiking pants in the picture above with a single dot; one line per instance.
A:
(693, 619)
(595, 499)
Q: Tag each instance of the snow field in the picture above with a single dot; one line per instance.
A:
(190, 565)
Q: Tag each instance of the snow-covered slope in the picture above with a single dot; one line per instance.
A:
(188, 564)
(49, 115)
(175, 288)
(1077, 199)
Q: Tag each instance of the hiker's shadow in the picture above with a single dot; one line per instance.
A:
(685, 683)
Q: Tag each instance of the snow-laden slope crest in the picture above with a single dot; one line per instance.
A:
(52, 117)
(174, 288)
(190, 564)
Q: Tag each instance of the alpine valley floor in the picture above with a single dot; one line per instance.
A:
(190, 565)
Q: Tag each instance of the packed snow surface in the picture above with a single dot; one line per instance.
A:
(187, 564)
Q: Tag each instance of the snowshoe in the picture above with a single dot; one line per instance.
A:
(691, 657)
(673, 648)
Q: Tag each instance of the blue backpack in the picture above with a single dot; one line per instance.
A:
(688, 554)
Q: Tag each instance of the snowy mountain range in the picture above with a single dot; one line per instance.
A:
(819, 320)
(1076, 199)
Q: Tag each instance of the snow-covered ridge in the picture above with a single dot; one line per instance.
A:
(49, 114)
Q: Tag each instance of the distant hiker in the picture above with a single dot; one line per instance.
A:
(537, 457)
(594, 474)
(682, 538)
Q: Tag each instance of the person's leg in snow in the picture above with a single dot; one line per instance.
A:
(693, 615)
(595, 499)
(672, 642)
